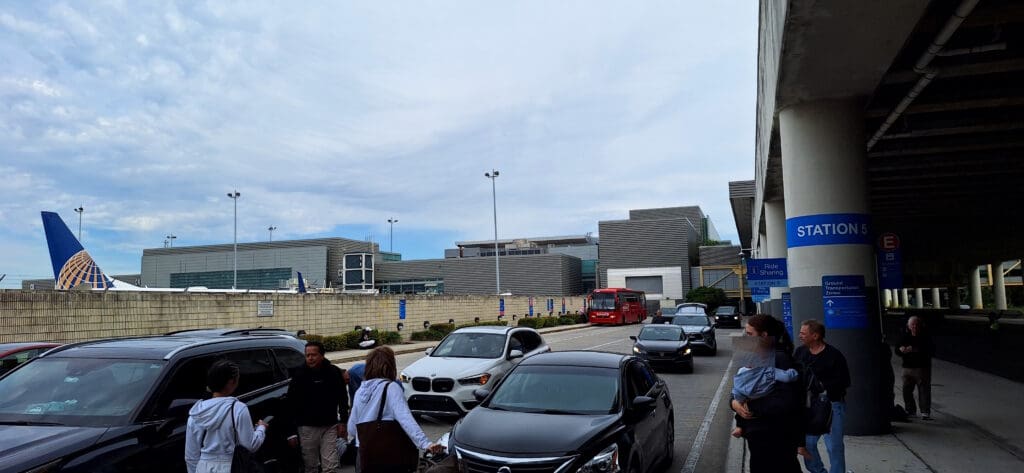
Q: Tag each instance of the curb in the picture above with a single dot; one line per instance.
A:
(736, 458)
(358, 355)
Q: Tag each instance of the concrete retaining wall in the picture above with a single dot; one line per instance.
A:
(76, 316)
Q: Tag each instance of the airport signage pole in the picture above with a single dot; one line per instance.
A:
(493, 176)
(234, 279)
(79, 211)
(271, 230)
(391, 234)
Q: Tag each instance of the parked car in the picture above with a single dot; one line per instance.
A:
(727, 315)
(664, 346)
(122, 404)
(14, 354)
(442, 382)
(700, 331)
(693, 304)
(689, 308)
(570, 411)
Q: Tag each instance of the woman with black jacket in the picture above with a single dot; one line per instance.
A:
(773, 425)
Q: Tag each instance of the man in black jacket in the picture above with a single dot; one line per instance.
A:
(916, 349)
(829, 366)
(318, 400)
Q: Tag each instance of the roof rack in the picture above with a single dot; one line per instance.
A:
(211, 341)
(68, 346)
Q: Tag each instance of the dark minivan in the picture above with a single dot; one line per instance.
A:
(122, 404)
(569, 411)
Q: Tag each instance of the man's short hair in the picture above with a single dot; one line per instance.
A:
(319, 346)
(815, 327)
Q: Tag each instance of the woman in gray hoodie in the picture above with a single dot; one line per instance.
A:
(210, 441)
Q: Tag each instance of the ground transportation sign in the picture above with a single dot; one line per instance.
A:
(844, 302)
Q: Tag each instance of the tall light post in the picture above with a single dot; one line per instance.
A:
(170, 239)
(493, 176)
(79, 211)
(271, 230)
(234, 195)
(391, 234)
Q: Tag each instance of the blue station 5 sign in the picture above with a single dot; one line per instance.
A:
(828, 229)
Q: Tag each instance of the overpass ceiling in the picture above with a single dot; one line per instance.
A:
(947, 176)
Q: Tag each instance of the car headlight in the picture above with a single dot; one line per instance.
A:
(480, 379)
(606, 461)
(637, 350)
(686, 351)
(404, 378)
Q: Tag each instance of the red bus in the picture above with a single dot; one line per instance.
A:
(616, 306)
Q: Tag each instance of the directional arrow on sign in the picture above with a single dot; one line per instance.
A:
(829, 303)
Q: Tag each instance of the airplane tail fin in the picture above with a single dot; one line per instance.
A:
(302, 284)
(72, 265)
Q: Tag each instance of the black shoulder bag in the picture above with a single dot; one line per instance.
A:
(243, 461)
(384, 446)
(817, 405)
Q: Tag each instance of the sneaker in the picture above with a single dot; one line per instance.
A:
(926, 417)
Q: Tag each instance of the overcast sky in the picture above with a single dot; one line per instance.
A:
(331, 117)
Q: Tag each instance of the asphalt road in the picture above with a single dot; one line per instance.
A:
(696, 449)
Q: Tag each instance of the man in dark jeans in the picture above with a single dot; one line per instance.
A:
(829, 366)
(916, 349)
(318, 400)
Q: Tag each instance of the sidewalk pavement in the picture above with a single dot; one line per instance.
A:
(976, 427)
(346, 356)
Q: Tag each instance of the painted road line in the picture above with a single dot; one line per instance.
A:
(603, 344)
(705, 426)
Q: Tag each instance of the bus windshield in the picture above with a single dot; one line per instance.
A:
(602, 301)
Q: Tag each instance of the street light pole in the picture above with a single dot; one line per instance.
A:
(391, 234)
(170, 239)
(234, 281)
(79, 211)
(271, 230)
(493, 176)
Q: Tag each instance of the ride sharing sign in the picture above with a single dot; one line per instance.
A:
(844, 302)
(828, 229)
(767, 272)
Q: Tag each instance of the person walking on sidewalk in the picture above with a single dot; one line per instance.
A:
(773, 425)
(916, 349)
(318, 400)
(219, 425)
(829, 366)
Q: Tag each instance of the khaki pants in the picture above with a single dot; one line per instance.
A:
(922, 379)
(319, 450)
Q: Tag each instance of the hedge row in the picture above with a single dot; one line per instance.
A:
(350, 340)
(542, 322)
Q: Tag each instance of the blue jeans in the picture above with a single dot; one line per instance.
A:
(833, 443)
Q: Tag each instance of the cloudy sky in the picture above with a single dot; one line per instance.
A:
(331, 117)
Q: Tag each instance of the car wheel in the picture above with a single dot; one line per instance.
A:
(688, 369)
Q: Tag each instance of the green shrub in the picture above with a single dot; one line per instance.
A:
(531, 322)
(389, 338)
(312, 338)
(427, 335)
(566, 320)
(502, 323)
(443, 329)
(334, 343)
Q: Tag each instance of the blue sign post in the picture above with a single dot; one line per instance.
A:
(760, 294)
(787, 313)
(401, 309)
(844, 302)
(767, 272)
(531, 307)
(890, 262)
(501, 307)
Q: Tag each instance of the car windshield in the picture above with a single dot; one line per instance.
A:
(690, 320)
(690, 310)
(77, 391)
(725, 310)
(471, 345)
(603, 301)
(661, 332)
(559, 390)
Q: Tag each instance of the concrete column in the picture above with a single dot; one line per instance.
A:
(976, 289)
(886, 298)
(919, 298)
(775, 224)
(998, 285)
(823, 168)
(936, 298)
(954, 298)
(904, 297)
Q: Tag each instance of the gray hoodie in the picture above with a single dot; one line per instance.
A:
(367, 402)
(212, 417)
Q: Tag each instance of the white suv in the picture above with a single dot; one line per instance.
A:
(442, 383)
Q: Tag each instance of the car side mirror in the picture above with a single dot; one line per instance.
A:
(515, 354)
(632, 337)
(428, 351)
(480, 394)
(643, 405)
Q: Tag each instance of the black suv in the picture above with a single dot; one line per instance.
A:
(569, 411)
(122, 404)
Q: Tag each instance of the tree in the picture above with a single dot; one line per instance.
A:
(711, 296)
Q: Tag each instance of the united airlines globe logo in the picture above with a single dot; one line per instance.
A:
(81, 269)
